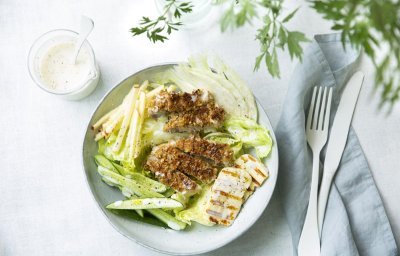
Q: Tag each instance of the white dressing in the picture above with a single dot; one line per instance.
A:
(58, 70)
(52, 68)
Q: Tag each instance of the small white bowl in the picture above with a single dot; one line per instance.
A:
(39, 48)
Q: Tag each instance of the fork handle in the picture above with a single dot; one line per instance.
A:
(323, 197)
(309, 243)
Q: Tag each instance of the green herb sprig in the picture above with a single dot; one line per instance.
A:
(155, 29)
(238, 13)
(273, 35)
(371, 25)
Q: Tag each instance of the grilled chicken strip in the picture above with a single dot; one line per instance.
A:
(166, 160)
(207, 116)
(181, 101)
(220, 154)
(227, 195)
(257, 170)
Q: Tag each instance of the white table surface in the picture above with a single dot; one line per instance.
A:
(45, 205)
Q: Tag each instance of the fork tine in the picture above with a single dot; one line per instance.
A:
(322, 112)
(311, 110)
(317, 109)
(328, 109)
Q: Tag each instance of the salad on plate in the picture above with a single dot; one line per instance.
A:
(184, 149)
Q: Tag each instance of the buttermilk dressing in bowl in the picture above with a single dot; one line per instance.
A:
(52, 65)
(58, 70)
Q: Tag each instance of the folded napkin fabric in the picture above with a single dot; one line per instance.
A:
(355, 221)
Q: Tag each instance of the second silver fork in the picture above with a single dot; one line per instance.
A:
(317, 133)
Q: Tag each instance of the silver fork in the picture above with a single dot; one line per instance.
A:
(317, 134)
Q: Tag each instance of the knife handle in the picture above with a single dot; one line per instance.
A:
(323, 198)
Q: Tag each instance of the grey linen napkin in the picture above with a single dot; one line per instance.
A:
(355, 221)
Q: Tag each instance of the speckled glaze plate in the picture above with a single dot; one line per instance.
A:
(196, 238)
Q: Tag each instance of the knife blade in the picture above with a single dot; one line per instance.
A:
(337, 139)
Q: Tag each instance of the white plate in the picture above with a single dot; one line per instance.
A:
(196, 238)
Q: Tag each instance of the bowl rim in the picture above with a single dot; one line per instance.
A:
(215, 247)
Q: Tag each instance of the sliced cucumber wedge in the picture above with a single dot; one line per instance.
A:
(104, 162)
(122, 170)
(135, 216)
(131, 185)
(145, 203)
(154, 185)
(167, 219)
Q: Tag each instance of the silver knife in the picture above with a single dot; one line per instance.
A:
(337, 140)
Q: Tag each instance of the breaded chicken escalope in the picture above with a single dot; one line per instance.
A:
(165, 160)
(188, 112)
(208, 116)
(175, 179)
(181, 101)
(218, 153)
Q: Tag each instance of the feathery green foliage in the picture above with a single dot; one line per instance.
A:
(155, 29)
(370, 25)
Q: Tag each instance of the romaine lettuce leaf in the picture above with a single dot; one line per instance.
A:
(220, 137)
(196, 210)
(251, 134)
(105, 147)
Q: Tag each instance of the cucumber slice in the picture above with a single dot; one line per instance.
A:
(140, 212)
(167, 219)
(169, 192)
(132, 185)
(134, 215)
(145, 203)
(122, 170)
(104, 162)
(154, 185)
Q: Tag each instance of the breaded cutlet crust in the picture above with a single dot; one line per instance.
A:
(207, 116)
(175, 179)
(181, 101)
(218, 153)
(188, 112)
(168, 163)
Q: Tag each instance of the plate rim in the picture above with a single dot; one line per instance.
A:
(209, 249)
